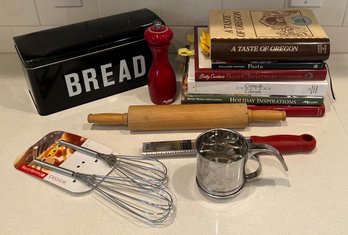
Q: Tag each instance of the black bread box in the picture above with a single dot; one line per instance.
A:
(78, 63)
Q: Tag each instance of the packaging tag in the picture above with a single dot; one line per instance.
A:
(50, 151)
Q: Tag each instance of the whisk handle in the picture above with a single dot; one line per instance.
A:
(79, 148)
(60, 170)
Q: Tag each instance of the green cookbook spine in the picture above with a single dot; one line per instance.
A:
(252, 100)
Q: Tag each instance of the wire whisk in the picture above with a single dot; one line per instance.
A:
(145, 172)
(136, 184)
(150, 205)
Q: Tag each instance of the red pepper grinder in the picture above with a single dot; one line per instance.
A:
(161, 78)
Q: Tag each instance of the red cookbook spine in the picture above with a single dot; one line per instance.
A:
(260, 75)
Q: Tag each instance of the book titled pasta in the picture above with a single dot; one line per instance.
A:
(280, 34)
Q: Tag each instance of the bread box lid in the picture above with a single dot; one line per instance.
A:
(57, 44)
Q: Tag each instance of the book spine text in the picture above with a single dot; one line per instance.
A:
(251, 100)
(253, 49)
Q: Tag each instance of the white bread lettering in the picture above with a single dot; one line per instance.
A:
(87, 80)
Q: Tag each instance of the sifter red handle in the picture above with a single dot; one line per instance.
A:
(287, 143)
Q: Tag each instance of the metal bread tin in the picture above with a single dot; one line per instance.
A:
(78, 63)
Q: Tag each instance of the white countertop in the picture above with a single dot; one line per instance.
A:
(311, 198)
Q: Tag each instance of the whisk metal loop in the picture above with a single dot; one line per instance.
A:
(151, 205)
(143, 171)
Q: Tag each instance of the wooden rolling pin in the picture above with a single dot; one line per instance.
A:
(188, 116)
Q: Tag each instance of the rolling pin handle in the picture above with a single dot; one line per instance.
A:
(108, 118)
(266, 115)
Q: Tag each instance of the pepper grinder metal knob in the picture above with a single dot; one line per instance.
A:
(161, 77)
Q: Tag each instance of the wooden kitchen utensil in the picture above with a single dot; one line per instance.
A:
(188, 116)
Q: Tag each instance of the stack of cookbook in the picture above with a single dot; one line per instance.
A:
(269, 59)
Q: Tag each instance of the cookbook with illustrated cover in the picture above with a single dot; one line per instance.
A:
(205, 72)
(275, 34)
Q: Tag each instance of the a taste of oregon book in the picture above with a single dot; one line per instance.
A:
(279, 34)
(204, 72)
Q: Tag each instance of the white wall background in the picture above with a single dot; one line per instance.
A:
(24, 16)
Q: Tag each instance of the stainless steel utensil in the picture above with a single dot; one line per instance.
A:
(144, 171)
(222, 155)
(150, 205)
(135, 184)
